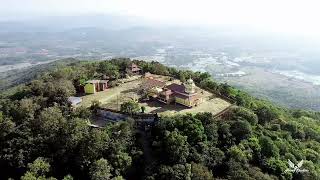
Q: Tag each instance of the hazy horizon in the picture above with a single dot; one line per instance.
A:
(282, 17)
(247, 39)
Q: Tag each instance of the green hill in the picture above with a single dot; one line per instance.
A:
(42, 136)
(12, 78)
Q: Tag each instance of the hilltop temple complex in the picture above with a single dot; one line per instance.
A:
(184, 94)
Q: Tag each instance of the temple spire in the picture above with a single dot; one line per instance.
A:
(189, 86)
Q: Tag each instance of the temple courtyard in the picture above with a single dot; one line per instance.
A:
(113, 97)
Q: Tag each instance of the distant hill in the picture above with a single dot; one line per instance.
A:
(15, 77)
(61, 23)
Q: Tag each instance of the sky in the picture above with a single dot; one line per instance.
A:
(292, 16)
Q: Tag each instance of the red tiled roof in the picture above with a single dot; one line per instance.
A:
(134, 67)
(176, 88)
(150, 83)
(179, 91)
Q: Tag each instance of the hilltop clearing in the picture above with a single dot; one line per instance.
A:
(45, 135)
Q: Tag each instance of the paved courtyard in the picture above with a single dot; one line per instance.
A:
(213, 105)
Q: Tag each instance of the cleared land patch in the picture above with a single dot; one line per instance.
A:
(112, 98)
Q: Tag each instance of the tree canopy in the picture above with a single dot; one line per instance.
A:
(43, 137)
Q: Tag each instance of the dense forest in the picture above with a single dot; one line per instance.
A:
(43, 137)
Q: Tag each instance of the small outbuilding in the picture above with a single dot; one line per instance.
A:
(94, 86)
(74, 100)
(133, 69)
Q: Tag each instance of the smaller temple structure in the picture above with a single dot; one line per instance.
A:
(152, 86)
(94, 86)
(133, 69)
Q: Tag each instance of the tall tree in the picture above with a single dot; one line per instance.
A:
(37, 170)
(101, 170)
(130, 107)
(176, 147)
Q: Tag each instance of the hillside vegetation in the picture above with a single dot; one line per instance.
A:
(12, 78)
(42, 137)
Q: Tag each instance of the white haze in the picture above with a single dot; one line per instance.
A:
(299, 17)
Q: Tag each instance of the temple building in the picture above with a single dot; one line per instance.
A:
(184, 94)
